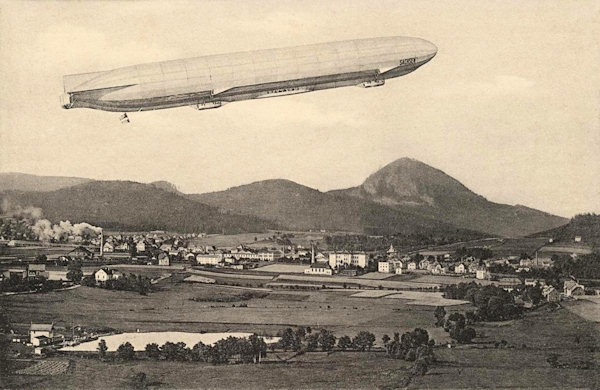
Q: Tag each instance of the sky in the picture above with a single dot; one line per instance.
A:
(510, 106)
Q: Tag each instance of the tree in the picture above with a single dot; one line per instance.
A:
(125, 351)
(312, 342)
(75, 275)
(363, 341)
(152, 351)
(102, 348)
(326, 340)
(385, 339)
(455, 320)
(344, 343)
(440, 315)
(5, 328)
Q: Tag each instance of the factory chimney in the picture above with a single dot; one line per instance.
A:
(312, 253)
(101, 243)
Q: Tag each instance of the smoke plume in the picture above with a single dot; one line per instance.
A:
(62, 230)
(13, 210)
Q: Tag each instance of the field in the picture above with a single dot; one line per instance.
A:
(426, 298)
(522, 363)
(284, 268)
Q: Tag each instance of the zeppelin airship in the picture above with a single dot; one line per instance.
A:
(211, 81)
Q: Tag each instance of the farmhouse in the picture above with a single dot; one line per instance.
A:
(81, 253)
(412, 266)
(105, 274)
(572, 288)
(460, 269)
(41, 334)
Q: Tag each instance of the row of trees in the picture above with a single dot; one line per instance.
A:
(303, 339)
(17, 283)
(247, 350)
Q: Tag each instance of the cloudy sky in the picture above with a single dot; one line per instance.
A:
(509, 106)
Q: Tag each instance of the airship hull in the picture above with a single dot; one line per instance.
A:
(211, 81)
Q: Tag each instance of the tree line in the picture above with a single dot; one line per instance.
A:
(246, 350)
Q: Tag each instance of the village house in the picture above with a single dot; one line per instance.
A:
(424, 264)
(412, 266)
(163, 259)
(106, 274)
(140, 247)
(391, 266)
(41, 334)
(533, 282)
(571, 288)
(122, 247)
(460, 268)
(108, 247)
(481, 273)
(36, 270)
(319, 269)
(435, 268)
(81, 253)
(473, 267)
(551, 294)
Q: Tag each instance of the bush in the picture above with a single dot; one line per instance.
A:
(125, 351)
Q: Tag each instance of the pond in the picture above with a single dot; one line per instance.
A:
(140, 340)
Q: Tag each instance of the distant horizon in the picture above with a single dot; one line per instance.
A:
(509, 105)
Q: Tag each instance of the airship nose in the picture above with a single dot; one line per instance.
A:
(428, 49)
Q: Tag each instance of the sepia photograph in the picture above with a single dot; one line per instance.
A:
(270, 194)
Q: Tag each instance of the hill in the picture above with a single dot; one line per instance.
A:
(586, 226)
(408, 184)
(134, 206)
(298, 207)
(166, 186)
(25, 182)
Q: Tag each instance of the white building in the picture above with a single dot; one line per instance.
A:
(140, 246)
(105, 274)
(209, 259)
(108, 247)
(412, 266)
(270, 255)
(164, 259)
(338, 259)
(319, 269)
(481, 273)
(391, 266)
(39, 333)
(460, 269)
